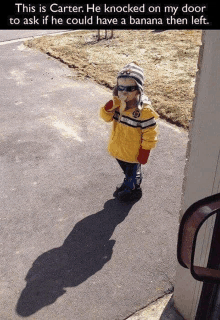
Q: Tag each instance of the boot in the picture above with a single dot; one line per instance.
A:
(129, 195)
(120, 187)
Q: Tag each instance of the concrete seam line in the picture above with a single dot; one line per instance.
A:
(33, 37)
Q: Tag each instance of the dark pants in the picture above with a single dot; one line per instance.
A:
(132, 171)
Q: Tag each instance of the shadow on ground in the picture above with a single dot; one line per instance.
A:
(84, 252)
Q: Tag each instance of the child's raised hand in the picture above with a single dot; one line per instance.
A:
(116, 102)
(109, 106)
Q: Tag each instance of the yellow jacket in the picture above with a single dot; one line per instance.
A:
(130, 131)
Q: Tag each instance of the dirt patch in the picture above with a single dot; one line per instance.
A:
(169, 59)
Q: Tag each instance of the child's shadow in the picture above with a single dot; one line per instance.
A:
(84, 252)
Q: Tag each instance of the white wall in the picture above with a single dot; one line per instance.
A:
(202, 174)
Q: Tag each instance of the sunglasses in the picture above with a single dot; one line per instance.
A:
(127, 88)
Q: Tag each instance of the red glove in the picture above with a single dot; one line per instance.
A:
(109, 105)
(143, 156)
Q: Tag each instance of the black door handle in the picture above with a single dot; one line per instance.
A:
(191, 222)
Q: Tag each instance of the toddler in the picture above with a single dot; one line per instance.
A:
(134, 130)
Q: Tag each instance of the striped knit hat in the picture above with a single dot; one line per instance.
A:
(132, 70)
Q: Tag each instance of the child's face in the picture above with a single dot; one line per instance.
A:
(125, 95)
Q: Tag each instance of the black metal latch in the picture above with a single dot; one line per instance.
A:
(192, 221)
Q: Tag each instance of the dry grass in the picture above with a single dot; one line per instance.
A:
(169, 60)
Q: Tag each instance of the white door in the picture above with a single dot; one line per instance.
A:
(202, 174)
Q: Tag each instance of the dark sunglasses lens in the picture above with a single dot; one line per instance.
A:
(127, 89)
(133, 88)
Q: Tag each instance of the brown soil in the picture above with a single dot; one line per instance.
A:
(169, 59)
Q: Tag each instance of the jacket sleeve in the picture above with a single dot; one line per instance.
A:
(106, 112)
(150, 129)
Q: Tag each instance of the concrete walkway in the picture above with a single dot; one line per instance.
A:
(19, 34)
(69, 250)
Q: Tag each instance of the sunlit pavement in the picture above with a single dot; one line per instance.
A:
(69, 249)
